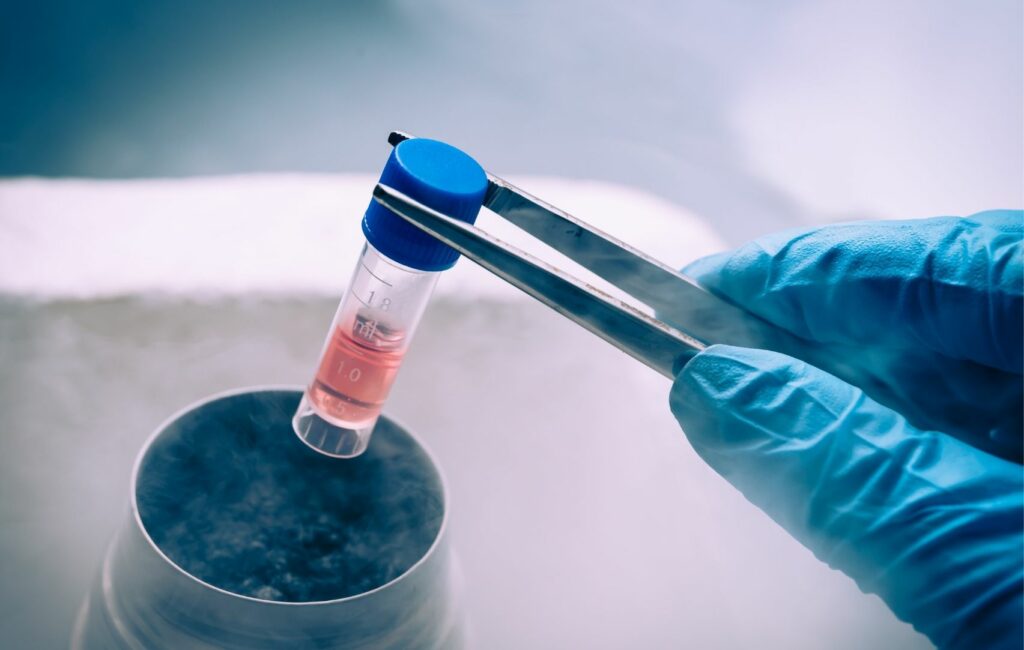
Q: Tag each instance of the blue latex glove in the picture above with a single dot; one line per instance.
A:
(928, 521)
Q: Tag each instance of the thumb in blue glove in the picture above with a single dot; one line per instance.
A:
(929, 522)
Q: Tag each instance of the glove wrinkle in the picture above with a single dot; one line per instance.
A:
(926, 316)
(925, 521)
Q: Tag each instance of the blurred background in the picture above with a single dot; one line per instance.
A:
(182, 184)
(753, 114)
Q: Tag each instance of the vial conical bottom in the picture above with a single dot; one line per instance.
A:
(326, 437)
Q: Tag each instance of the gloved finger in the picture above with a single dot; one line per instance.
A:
(930, 524)
(952, 285)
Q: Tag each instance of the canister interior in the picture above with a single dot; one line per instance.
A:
(231, 496)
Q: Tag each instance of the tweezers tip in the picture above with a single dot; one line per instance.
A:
(396, 137)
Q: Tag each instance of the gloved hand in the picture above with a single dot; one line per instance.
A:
(928, 521)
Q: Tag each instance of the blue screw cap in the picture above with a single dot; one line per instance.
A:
(440, 177)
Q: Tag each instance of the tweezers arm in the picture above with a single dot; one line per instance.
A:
(675, 298)
(650, 341)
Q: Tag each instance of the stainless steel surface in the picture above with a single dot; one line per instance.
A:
(675, 298)
(140, 599)
(646, 339)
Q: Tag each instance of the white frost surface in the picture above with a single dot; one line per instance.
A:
(266, 233)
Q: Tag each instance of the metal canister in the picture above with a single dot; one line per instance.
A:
(142, 599)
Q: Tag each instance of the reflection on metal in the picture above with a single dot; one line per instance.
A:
(645, 338)
(688, 317)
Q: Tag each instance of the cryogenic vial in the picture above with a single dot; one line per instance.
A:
(390, 287)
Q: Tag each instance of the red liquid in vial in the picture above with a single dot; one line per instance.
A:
(353, 381)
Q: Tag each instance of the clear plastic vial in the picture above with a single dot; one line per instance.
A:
(392, 283)
(360, 360)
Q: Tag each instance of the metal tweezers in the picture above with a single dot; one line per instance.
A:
(688, 317)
